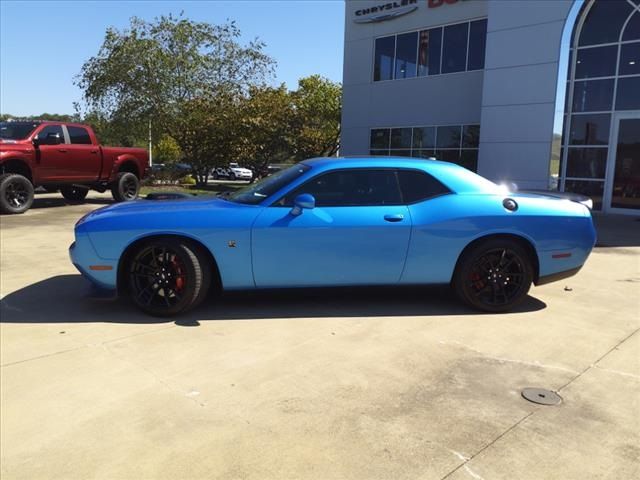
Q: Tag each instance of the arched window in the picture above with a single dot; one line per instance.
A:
(603, 78)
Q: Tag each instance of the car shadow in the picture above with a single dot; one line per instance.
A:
(65, 299)
(55, 202)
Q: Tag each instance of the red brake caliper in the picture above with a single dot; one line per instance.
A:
(179, 275)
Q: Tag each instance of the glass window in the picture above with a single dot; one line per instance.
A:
(604, 22)
(592, 189)
(423, 153)
(627, 97)
(423, 53)
(596, 62)
(406, 152)
(406, 55)
(416, 186)
(632, 30)
(470, 136)
(626, 178)
(630, 59)
(477, 44)
(16, 130)
(448, 137)
(435, 50)
(401, 138)
(257, 192)
(384, 53)
(354, 187)
(424, 137)
(587, 162)
(454, 48)
(380, 138)
(452, 155)
(592, 96)
(590, 129)
(79, 136)
(51, 130)
(469, 159)
(378, 153)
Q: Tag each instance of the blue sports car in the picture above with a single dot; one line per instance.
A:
(338, 222)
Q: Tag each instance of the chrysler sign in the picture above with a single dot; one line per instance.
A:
(385, 11)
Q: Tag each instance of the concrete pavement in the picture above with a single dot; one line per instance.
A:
(320, 385)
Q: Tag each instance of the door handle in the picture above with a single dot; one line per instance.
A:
(94, 151)
(63, 150)
(398, 217)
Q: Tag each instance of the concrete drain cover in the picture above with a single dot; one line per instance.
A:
(541, 396)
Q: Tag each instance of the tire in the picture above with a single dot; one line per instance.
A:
(74, 194)
(232, 176)
(494, 276)
(167, 276)
(16, 193)
(125, 188)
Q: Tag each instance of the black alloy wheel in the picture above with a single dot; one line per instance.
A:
(16, 193)
(166, 277)
(494, 276)
(126, 187)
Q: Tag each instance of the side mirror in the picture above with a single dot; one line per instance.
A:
(302, 202)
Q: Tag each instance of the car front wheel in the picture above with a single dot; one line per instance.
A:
(167, 277)
(494, 275)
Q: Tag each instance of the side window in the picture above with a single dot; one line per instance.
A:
(351, 188)
(79, 136)
(53, 130)
(417, 186)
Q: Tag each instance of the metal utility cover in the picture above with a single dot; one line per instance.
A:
(541, 396)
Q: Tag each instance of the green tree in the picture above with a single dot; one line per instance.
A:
(318, 106)
(167, 150)
(167, 69)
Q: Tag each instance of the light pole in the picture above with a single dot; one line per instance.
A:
(150, 149)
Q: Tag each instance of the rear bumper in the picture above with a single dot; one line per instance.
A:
(554, 277)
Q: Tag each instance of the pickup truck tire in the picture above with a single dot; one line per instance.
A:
(16, 193)
(126, 187)
(74, 194)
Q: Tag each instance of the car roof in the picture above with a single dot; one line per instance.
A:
(454, 176)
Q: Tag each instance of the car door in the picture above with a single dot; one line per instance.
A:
(357, 234)
(52, 155)
(84, 156)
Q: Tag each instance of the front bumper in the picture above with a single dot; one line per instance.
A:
(102, 273)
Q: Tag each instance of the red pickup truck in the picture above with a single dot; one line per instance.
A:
(65, 157)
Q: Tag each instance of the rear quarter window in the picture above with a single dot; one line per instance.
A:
(417, 186)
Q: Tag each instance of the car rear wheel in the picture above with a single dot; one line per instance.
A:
(16, 193)
(126, 187)
(167, 277)
(494, 276)
(74, 194)
(232, 176)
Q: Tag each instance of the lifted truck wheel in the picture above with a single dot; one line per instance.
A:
(74, 194)
(16, 193)
(125, 188)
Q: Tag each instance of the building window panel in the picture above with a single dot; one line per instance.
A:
(596, 62)
(424, 137)
(454, 48)
(380, 138)
(587, 162)
(630, 59)
(384, 58)
(401, 138)
(406, 152)
(592, 96)
(406, 54)
(590, 129)
(379, 153)
(469, 159)
(604, 22)
(470, 136)
(628, 96)
(592, 189)
(477, 44)
(448, 155)
(448, 136)
(423, 153)
(435, 50)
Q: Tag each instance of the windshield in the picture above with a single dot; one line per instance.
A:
(16, 130)
(254, 194)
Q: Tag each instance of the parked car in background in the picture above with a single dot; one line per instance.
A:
(330, 222)
(65, 157)
(232, 172)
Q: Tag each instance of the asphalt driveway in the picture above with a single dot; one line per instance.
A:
(340, 384)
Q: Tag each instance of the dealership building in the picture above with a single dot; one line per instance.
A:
(542, 93)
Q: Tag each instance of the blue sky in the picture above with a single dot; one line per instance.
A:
(43, 44)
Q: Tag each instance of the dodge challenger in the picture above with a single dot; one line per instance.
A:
(329, 222)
